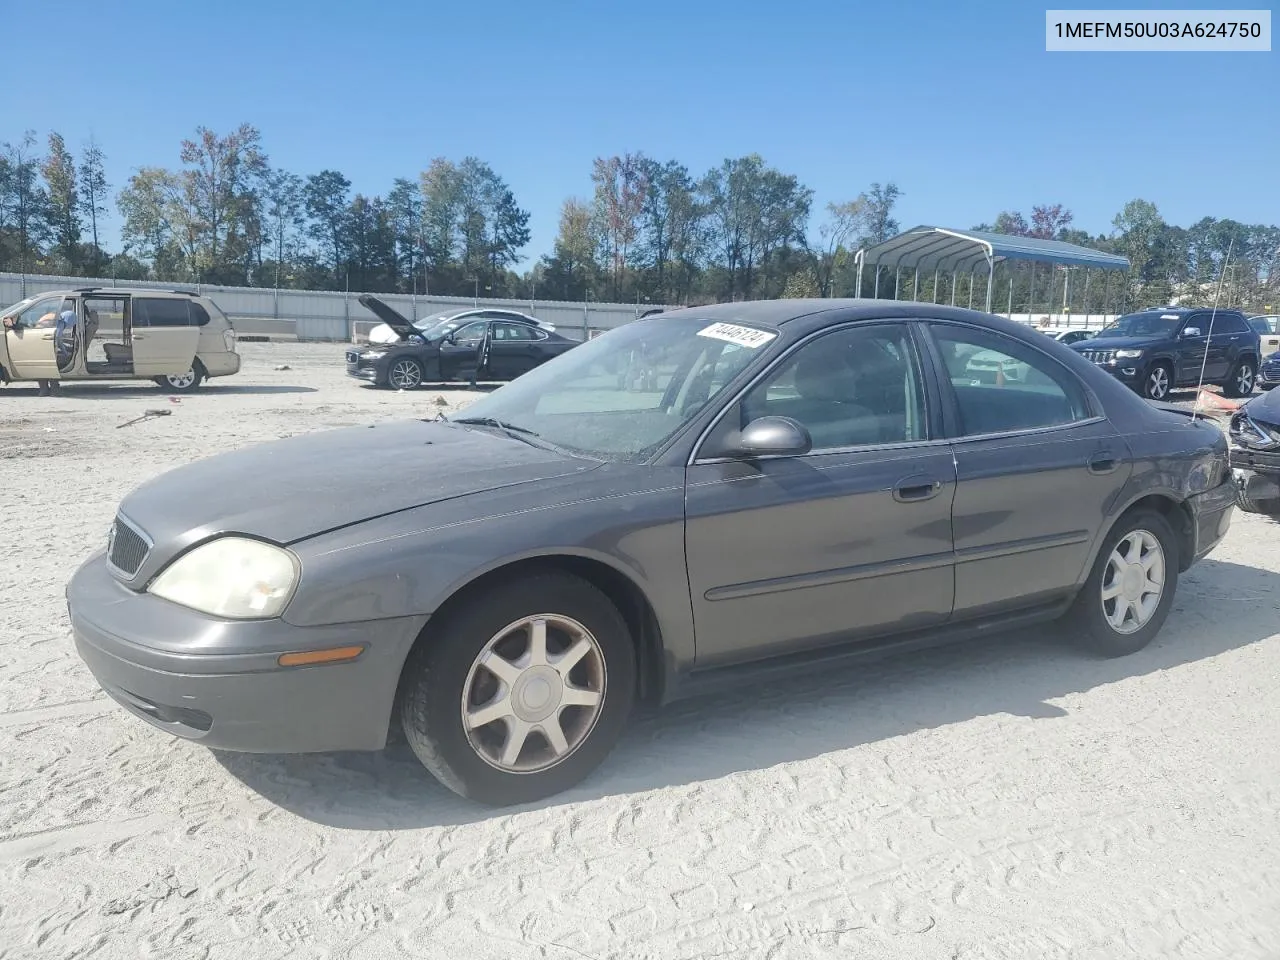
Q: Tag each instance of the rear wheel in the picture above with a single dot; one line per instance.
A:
(522, 692)
(183, 382)
(1129, 592)
(1158, 382)
(404, 374)
(1240, 383)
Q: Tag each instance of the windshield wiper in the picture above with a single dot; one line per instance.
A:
(523, 434)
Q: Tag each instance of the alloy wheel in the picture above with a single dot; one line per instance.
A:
(1244, 379)
(1133, 582)
(1158, 383)
(404, 375)
(534, 693)
(182, 381)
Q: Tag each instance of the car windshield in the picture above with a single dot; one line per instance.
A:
(1144, 325)
(438, 324)
(622, 395)
(1264, 324)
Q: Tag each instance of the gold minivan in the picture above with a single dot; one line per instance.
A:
(176, 339)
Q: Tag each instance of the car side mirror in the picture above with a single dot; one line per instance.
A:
(769, 437)
(1191, 332)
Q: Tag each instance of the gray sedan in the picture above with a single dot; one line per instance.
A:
(713, 496)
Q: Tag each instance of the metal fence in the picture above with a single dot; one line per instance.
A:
(335, 315)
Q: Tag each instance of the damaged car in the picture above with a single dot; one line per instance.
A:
(482, 344)
(1254, 431)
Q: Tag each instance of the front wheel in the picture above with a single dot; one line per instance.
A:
(1158, 383)
(182, 382)
(404, 374)
(522, 692)
(1127, 597)
(1240, 383)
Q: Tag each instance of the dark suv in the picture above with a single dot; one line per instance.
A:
(1155, 351)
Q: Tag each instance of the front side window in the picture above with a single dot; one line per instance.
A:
(854, 387)
(471, 333)
(624, 394)
(1002, 385)
(40, 313)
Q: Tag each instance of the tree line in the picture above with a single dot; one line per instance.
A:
(650, 231)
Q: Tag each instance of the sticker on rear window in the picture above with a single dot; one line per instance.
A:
(742, 336)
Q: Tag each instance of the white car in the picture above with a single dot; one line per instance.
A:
(1268, 330)
(1071, 336)
(447, 320)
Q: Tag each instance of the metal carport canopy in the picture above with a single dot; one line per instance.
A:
(956, 251)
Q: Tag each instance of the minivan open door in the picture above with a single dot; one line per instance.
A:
(164, 336)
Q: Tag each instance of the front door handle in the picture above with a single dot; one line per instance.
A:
(1102, 463)
(913, 489)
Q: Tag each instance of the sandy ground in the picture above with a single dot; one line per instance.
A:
(1006, 799)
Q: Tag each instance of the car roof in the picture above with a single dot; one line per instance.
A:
(116, 292)
(803, 315)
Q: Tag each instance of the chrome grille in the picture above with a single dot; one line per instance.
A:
(127, 548)
(1099, 356)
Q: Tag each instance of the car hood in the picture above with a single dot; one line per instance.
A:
(1265, 408)
(1115, 343)
(289, 490)
(399, 325)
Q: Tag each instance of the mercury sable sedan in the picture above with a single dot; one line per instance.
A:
(789, 485)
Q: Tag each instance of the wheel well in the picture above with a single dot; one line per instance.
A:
(1180, 519)
(620, 589)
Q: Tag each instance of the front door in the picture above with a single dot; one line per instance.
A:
(851, 540)
(31, 341)
(1037, 467)
(164, 336)
(460, 354)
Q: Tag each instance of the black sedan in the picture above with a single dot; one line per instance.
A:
(473, 345)
(771, 486)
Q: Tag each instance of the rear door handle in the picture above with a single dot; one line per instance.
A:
(1102, 463)
(913, 489)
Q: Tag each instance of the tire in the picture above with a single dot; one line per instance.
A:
(404, 374)
(1158, 382)
(183, 383)
(1088, 618)
(445, 676)
(1241, 379)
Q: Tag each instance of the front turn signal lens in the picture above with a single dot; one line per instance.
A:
(303, 658)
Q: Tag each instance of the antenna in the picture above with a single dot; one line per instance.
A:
(1209, 337)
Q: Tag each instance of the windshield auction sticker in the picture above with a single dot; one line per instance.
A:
(742, 336)
(1141, 31)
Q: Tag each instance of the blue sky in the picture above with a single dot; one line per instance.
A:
(961, 106)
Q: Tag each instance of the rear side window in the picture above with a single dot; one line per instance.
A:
(1002, 385)
(1227, 323)
(199, 316)
(162, 313)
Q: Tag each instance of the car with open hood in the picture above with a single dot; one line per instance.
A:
(774, 486)
(483, 343)
(174, 337)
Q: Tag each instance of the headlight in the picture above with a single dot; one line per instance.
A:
(1128, 354)
(373, 354)
(231, 577)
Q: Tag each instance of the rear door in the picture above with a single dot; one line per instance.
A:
(1036, 467)
(164, 336)
(30, 342)
(1230, 335)
(513, 349)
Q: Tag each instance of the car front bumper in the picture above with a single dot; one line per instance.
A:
(1256, 474)
(1268, 375)
(363, 371)
(218, 682)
